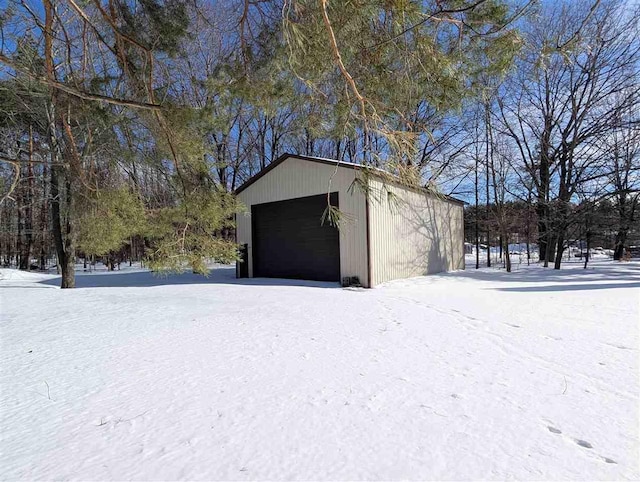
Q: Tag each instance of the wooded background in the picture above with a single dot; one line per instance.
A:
(125, 125)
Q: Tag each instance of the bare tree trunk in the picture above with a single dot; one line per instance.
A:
(588, 239)
(620, 241)
(62, 230)
(559, 250)
(61, 223)
(543, 227)
(562, 218)
(25, 258)
(507, 256)
(623, 229)
(477, 224)
(477, 236)
(62, 227)
(68, 273)
(19, 208)
(2, 238)
(548, 247)
(5, 224)
(487, 183)
(528, 230)
(542, 208)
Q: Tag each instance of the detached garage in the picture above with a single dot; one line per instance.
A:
(394, 232)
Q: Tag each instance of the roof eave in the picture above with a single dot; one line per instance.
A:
(332, 162)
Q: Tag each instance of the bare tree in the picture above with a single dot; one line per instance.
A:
(561, 100)
(623, 150)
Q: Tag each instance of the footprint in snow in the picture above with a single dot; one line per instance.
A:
(619, 347)
(583, 443)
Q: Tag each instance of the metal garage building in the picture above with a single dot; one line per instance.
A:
(394, 232)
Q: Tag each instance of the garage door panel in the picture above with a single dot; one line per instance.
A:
(290, 241)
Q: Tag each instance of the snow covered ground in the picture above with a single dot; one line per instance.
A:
(468, 375)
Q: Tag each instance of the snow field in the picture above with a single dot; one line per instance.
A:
(467, 375)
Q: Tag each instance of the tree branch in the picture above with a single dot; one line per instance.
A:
(79, 93)
(338, 58)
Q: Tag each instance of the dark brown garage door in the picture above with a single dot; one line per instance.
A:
(290, 240)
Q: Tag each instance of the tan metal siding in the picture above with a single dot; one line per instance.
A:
(413, 233)
(298, 178)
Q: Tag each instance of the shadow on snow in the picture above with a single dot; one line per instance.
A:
(146, 279)
(568, 287)
(598, 277)
(595, 277)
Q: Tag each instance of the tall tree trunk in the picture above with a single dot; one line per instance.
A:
(620, 241)
(561, 214)
(528, 230)
(2, 242)
(559, 248)
(623, 229)
(5, 227)
(507, 256)
(588, 239)
(487, 184)
(63, 232)
(542, 206)
(61, 199)
(548, 249)
(542, 211)
(25, 259)
(19, 208)
(62, 229)
(68, 273)
(44, 218)
(476, 223)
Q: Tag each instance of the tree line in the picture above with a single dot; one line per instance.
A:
(561, 130)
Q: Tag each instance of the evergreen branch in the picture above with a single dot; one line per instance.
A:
(413, 27)
(88, 21)
(81, 94)
(338, 58)
(116, 30)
